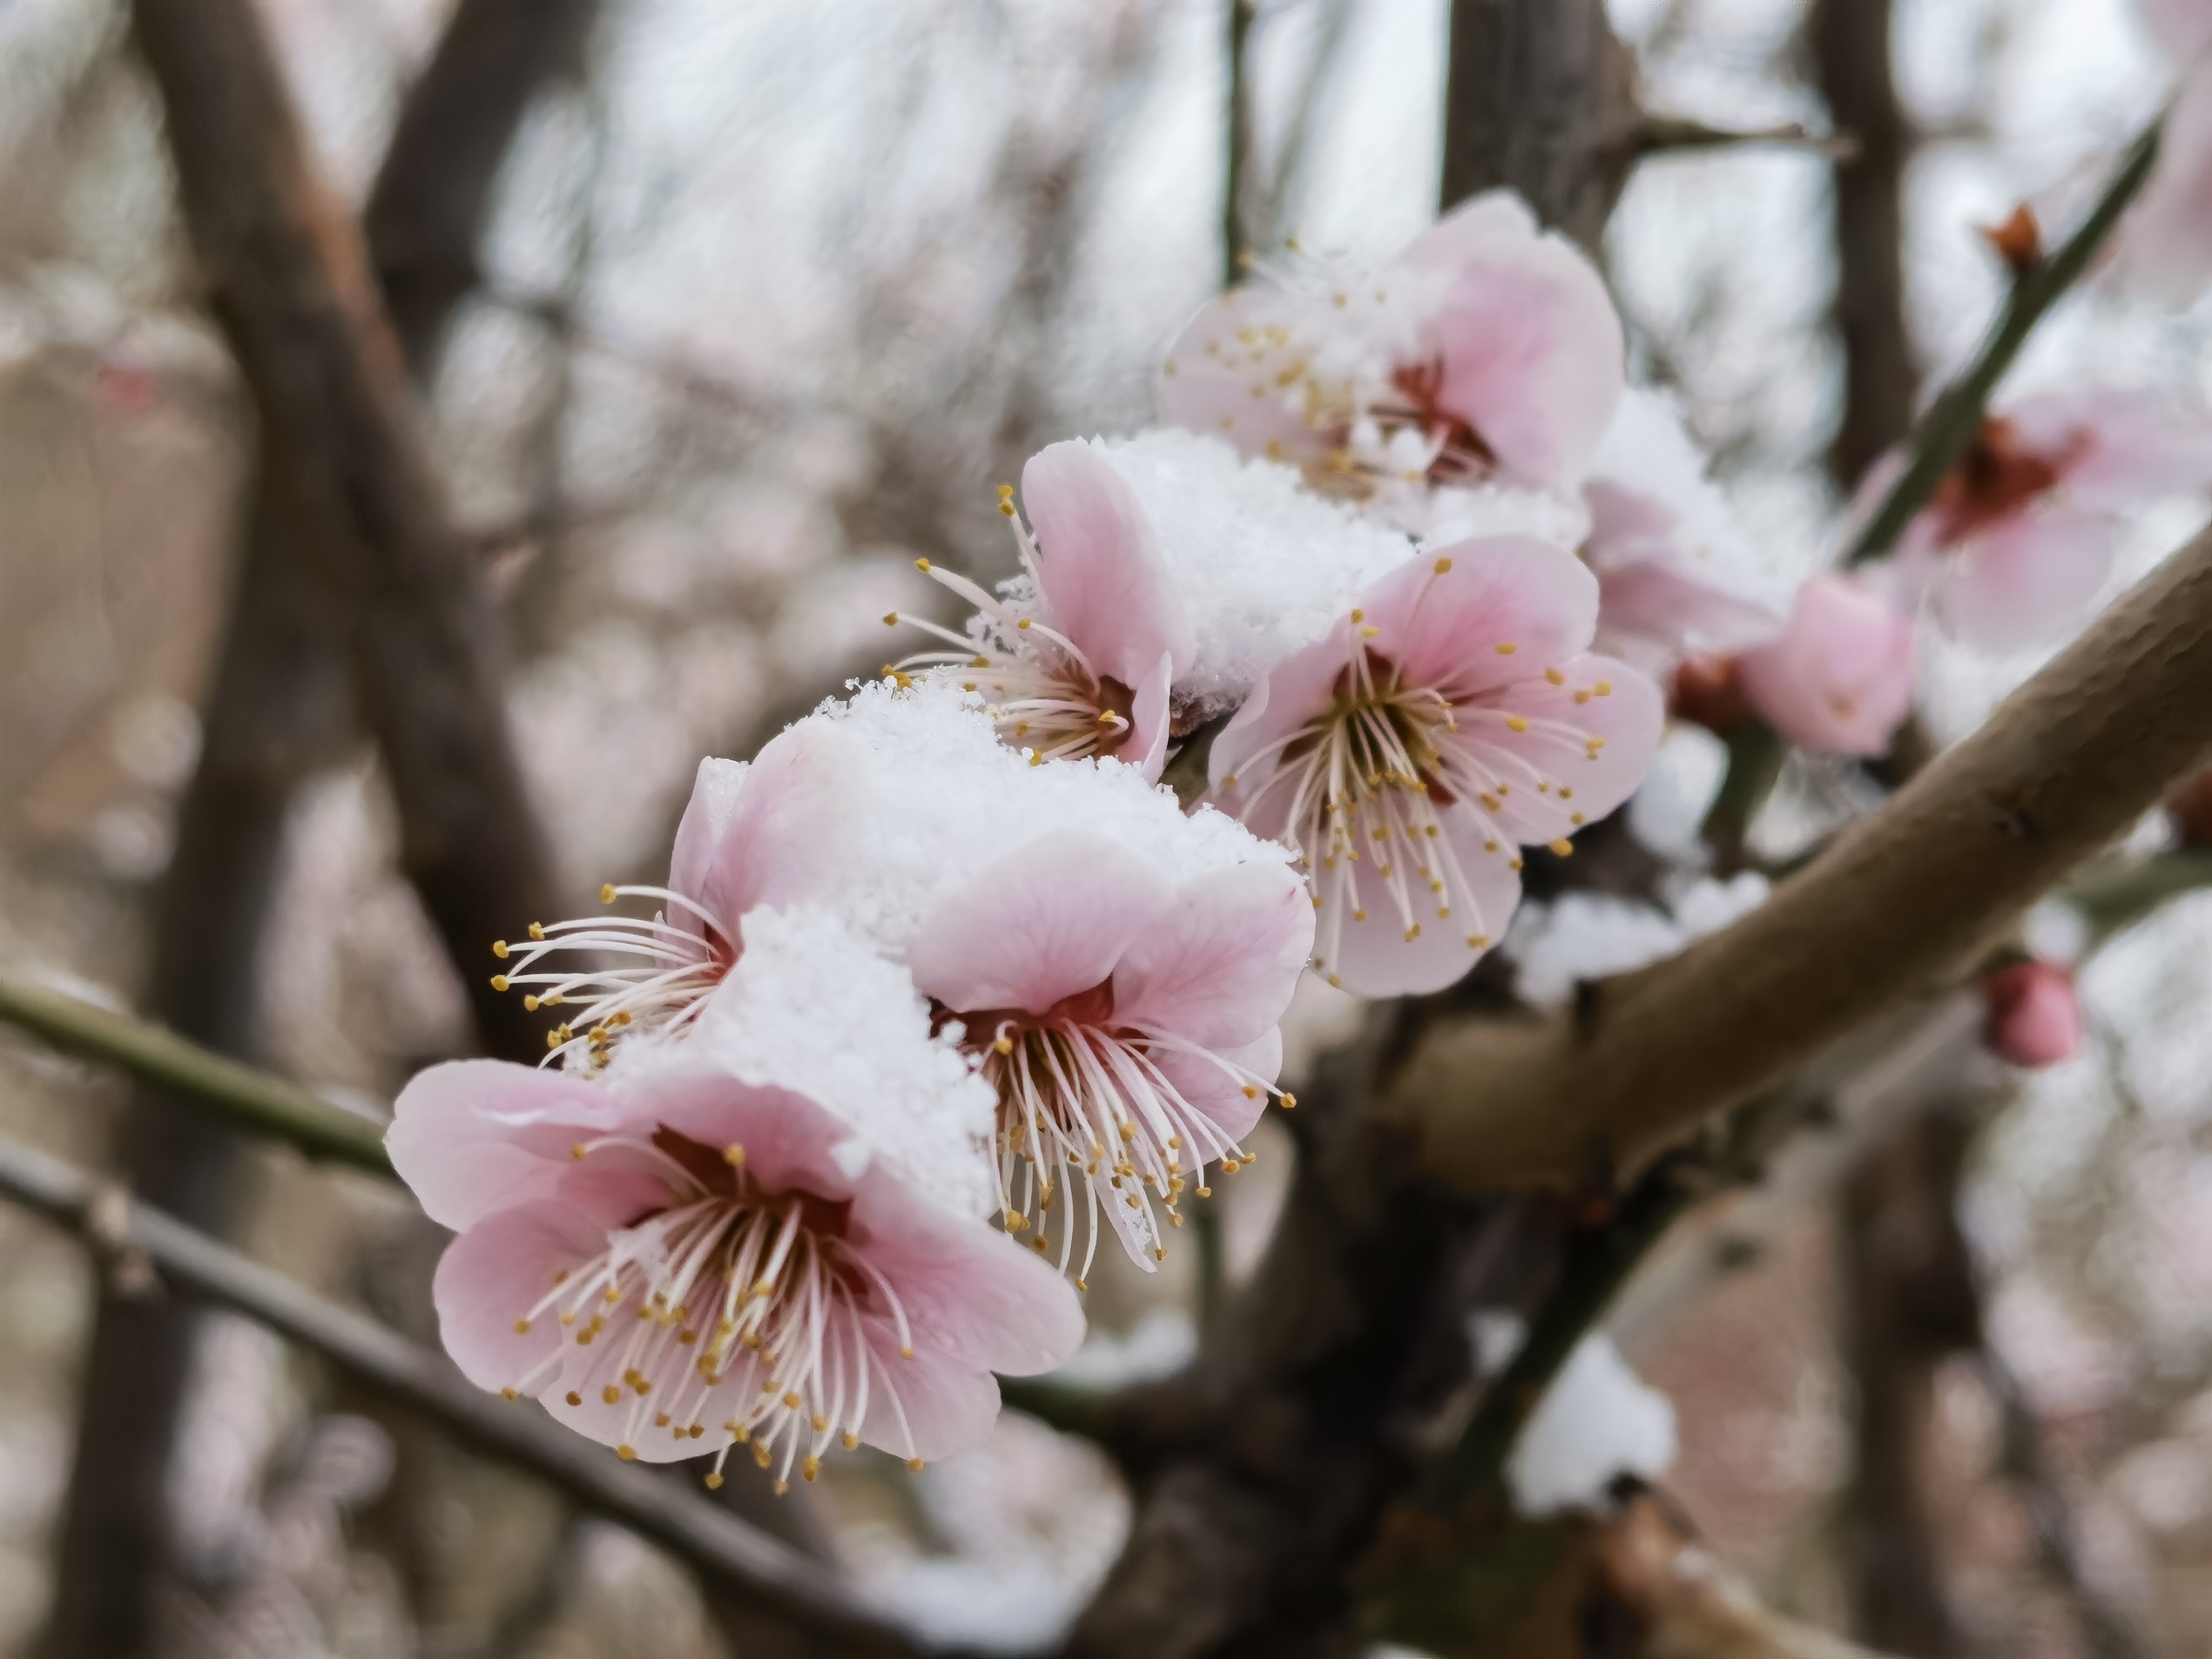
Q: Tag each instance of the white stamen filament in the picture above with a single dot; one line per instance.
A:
(728, 1315)
(679, 966)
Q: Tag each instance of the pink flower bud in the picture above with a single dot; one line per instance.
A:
(1838, 680)
(2034, 1018)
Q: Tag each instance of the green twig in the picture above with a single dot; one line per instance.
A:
(1954, 419)
(1597, 1263)
(701, 1533)
(253, 1099)
(1755, 754)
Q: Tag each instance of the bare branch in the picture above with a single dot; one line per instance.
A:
(1903, 900)
(703, 1533)
(254, 1100)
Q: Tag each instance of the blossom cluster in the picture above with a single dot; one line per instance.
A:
(978, 970)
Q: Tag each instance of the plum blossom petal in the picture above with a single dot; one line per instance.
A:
(1091, 992)
(1099, 566)
(1453, 715)
(1220, 966)
(1838, 680)
(1240, 370)
(499, 1267)
(1045, 924)
(474, 1136)
(2033, 1016)
(2027, 580)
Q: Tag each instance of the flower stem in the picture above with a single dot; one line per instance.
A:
(1949, 426)
(253, 1099)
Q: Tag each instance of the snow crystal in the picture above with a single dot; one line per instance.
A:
(1263, 565)
(1649, 452)
(945, 798)
(1597, 1420)
(1590, 936)
(810, 1007)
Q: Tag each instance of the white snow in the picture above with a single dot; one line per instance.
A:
(1590, 936)
(1597, 1420)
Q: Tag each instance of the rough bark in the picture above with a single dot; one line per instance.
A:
(1910, 1302)
(1541, 97)
(1903, 901)
(1850, 48)
(326, 568)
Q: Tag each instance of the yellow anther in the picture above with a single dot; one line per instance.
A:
(851, 1442)
(810, 1466)
(1555, 677)
(1359, 616)
(1251, 1092)
(522, 1327)
(734, 1156)
(1290, 1101)
(537, 930)
(1506, 648)
(580, 1152)
(906, 1351)
(1370, 631)
(713, 1482)
(575, 1398)
(1562, 847)
(611, 1394)
(1128, 1131)
(1443, 567)
(890, 619)
(1514, 723)
(499, 982)
(1412, 933)
(606, 892)
(1023, 623)
(1206, 1192)
(510, 1394)
(660, 1421)
(499, 949)
(1603, 688)
(531, 1003)
(1158, 1253)
(1006, 492)
(921, 564)
(914, 1466)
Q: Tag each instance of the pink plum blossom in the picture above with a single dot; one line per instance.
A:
(1088, 674)
(1454, 714)
(1489, 349)
(2033, 1016)
(770, 833)
(1838, 680)
(715, 1246)
(1127, 1022)
(2019, 535)
(1668, 558)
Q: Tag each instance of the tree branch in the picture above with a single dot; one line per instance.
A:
(1954, 418)
(1903, 898)
(254, 1100)
(701, 1533)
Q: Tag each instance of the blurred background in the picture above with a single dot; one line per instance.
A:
(769, 296)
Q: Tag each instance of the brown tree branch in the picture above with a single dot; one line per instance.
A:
(1904, 899)
(346, 541)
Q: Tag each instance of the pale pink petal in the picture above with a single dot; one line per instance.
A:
(1297, 689)
(1043, 923)
(472, 1137)
(2034, 1015)
(778, 832)
(1558, 784)
(1150, 719)
(1218, 967)
(1494, 219)
(493, 1276)
(2184, 27)
(1838, 680)
(1099, 564)
(1534, 356)
(2116, 450)
(1236, 371)
(929, 1407)
(970, 1293)
(1373, 958)
(2030, 581)
(786, 1138)
(1657, 612)
(1482, 613)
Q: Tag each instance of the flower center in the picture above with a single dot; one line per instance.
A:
(732, 1309)
(1087, 1099)
(1044, 696)
(1997, 476)
(662, 973)
(1379, 771)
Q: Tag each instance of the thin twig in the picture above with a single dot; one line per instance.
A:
(1949, 426)
(253, 1099)
(702, 1534)
(1661, 135)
